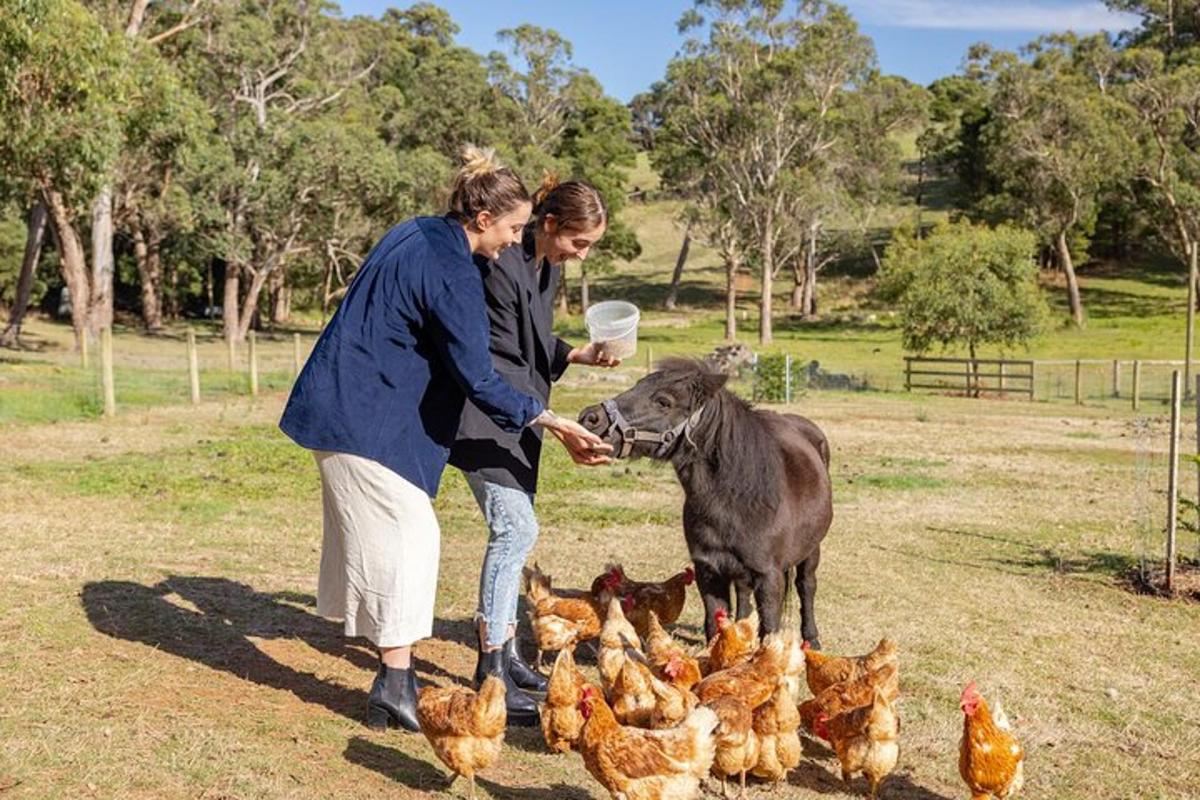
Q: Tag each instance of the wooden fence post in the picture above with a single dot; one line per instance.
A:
(193, 366)
(1137, 384)
(1191, 321)
(296, 363)
(232, 354)
(1173, 482)
(1078, 382)
(253, 364)
(649, 359)
(1032, 378)
(1116, 376)
(106, 371)
(787, 378)
(1002, 387)
(83, 349)
(908, 373)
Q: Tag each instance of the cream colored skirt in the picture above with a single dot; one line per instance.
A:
(379, 558)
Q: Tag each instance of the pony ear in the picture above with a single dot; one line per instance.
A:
(711, 383)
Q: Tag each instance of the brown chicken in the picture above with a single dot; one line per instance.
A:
(822, 671)
(777, 724)
(794, 668)
(631, 697)
(465, 728)
(734, 643)
(753, 681)
(849, 695)
(990, 759)
(737, 742)
(561, 720)
(636, 764)
(672, 704)
(618, 640)
(664, 598)
(670, 659)
(866, 740)
(560, 621)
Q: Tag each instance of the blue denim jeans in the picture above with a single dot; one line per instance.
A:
(512, 532)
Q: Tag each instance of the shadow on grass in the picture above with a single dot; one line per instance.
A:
(216, 629)
(824, 777)
(422, 776)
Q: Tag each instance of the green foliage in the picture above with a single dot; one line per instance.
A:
(964, 284)
(65, 89)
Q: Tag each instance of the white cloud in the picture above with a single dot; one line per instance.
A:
(1021, 15)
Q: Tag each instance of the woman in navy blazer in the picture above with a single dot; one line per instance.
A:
(502, 466)
(379, 403)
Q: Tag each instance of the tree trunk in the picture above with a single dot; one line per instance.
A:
(796, 301)
(768, 267)
(102, 260)
(250, 302)
(563, 307)
(229, 305)
(281, 299)
(145, 252)
(35, 235)
(731, 270)
(677, 275)
(808, 303)
(170, 292)
(584, 298)
(74, 263)
(1064, 259)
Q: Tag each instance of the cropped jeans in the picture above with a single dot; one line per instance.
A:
(512, 532)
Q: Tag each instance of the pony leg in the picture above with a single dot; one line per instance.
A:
(744, 600)
(806, 587)
(768, 595)
(714, 589)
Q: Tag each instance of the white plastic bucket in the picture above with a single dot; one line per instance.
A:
(613, 324)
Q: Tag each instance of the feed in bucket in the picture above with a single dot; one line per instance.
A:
(613, 326)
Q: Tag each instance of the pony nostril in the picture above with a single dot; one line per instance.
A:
(591, 419)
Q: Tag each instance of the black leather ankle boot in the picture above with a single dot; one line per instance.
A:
(393, 700)
(522, 709)
(522, 674)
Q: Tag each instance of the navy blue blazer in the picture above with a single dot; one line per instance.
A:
(520, 304)
(407, 347)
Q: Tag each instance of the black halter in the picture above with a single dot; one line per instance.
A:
(630, 436)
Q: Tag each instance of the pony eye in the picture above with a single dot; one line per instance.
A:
(662, 401)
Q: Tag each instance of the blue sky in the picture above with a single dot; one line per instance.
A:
(627, 43)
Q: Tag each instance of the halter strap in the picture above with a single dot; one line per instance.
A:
(630, 436)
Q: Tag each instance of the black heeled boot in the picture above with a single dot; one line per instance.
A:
(522, 674)
(522, 709)
(393, 700)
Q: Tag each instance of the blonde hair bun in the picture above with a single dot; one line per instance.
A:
(479, 161)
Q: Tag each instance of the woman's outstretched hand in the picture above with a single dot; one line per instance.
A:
(592, 355)
(585, 447)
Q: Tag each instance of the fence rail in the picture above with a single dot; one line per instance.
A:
(1080, 380)
(1009, 377)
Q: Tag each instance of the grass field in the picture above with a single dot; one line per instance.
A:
(157, 631)
(160, 639)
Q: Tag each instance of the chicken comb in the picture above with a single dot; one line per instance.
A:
(720, 615)
(689, 576)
